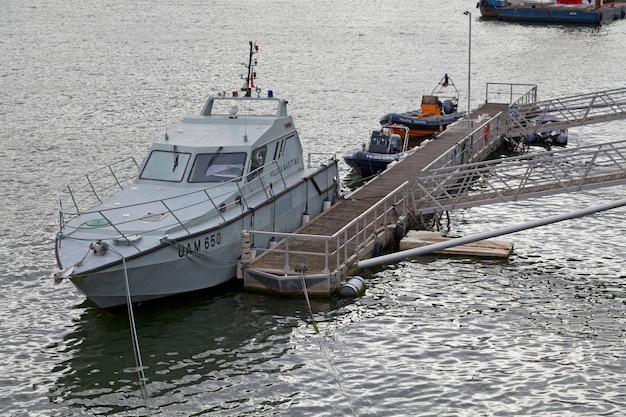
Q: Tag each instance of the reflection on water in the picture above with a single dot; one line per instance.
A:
(429, 335)
(200, 347)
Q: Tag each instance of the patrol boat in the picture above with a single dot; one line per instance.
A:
(173, 223)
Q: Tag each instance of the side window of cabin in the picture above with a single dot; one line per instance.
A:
(165, 166)
(257, 161)
(281, 147)
(217, 167)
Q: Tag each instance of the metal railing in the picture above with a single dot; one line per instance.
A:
(507, 93)
(87, 191)
(577, 110)
(319, 158)
(487, 132)
(486, 135)
(82, 194)
(457, 179)
(335, 252)
(521, 177)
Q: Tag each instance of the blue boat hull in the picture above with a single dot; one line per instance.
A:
(557, 14)
(369, 163)
(421, 126)
(548, 139)
(489, 8)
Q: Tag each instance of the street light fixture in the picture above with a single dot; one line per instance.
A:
(469, 75)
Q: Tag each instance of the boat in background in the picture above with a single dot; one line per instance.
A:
(546, 138)
(174, 223)
(385, 146)
(577, 12)
(534, 136)
(489, 8)
(434, 115)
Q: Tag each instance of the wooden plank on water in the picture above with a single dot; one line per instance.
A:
(484, 248)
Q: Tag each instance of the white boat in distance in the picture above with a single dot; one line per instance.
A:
(172, 224)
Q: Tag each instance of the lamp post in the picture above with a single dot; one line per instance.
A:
(469, 75)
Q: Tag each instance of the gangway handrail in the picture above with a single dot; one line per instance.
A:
(481, 137)
(486, 132)
(570, 111)
(524, 176)
(348, 241)
(494, 91)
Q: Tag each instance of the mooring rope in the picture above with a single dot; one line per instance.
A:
(326, 355)
(302, 269)
(133, 334)
(359, 181)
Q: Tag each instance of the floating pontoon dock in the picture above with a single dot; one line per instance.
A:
(441, 175)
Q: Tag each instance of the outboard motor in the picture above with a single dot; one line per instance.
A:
(395, 142)
(560, 137)
(449, 107)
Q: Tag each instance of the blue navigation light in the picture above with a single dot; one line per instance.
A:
(270, 93)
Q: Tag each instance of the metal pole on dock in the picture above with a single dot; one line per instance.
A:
(469, 76)
(398, 256)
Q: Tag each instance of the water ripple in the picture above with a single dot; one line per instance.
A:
(82, 83)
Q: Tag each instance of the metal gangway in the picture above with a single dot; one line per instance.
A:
(531, 117)
(520, 177)
(458, 178)
(513, 179)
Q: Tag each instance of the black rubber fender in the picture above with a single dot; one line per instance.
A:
(378, 249)
(399, 232)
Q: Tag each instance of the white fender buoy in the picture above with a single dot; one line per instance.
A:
(245, 247)
(327, 204)
(305, 217)
(239, 269)
(354, 287)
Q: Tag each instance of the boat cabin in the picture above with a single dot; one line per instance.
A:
(231, 140)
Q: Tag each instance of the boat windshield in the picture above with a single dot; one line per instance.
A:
(379, 143)
(165, 166)
(217, 167)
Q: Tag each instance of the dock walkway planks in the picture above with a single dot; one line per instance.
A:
(344, 211)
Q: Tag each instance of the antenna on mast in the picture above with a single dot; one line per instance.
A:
(249, 84)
